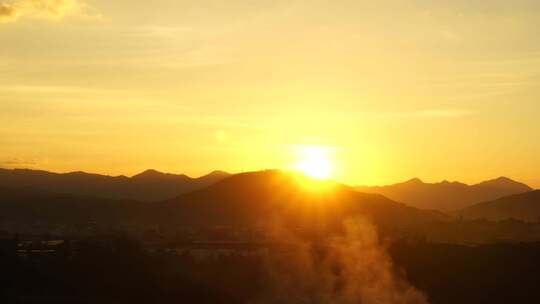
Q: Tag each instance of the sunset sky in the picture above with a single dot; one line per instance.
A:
(435, 89)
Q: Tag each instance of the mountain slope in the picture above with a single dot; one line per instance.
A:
(149, 185)
(447, 196)
(258, 198)
(525, 206)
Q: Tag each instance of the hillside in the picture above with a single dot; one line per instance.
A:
(258, 198)
(26, 210)
(525, 206)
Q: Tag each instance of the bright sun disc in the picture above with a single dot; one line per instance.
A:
(315, 162)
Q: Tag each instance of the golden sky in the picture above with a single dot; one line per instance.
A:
(397, 89)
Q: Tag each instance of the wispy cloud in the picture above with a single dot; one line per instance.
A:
(44, 89)
(12, 11)
(17, 162)
(432, 113)
(161, 31)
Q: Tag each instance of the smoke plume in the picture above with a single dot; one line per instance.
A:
(11, 11)
(349, 267)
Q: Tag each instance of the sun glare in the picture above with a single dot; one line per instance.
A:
(315, 162)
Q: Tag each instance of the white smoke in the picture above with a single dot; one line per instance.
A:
(348, 268)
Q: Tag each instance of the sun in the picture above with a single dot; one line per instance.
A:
(315, 162)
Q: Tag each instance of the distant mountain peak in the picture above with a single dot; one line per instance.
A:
(505, 182)
(218, 173)
(415, 180)
(504, 179)
(152, 174)
(148, 173)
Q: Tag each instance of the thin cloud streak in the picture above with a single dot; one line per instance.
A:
(442, 113)
(54, 9)
(17, 162)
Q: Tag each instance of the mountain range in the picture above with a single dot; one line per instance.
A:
(251, 199)
(147, 186)
(448, 196)
(248, 200)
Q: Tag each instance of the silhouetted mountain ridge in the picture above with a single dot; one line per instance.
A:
(150, 185)
(446, 195)
(154, 175)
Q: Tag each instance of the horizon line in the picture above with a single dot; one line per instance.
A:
(260, 170)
